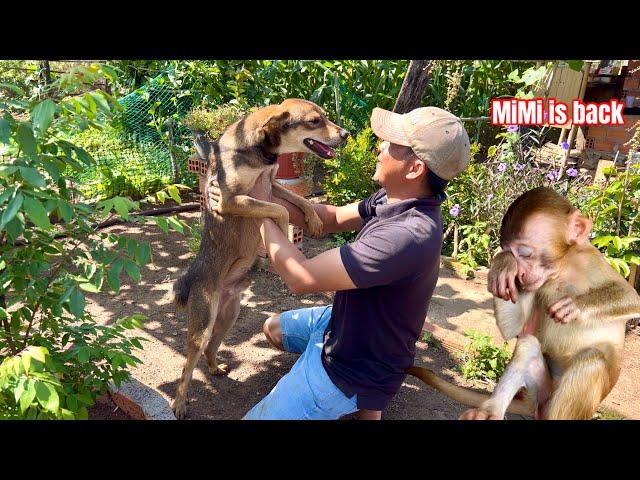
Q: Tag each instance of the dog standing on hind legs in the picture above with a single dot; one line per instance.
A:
(210, 290)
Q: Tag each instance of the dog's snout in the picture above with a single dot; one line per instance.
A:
(344, 134)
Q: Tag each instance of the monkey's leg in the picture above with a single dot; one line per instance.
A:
(201, 316)
(582, 386)
(526, 369)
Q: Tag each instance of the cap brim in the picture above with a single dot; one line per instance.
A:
(388, 126)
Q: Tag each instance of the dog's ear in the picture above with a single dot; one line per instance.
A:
(272, 128)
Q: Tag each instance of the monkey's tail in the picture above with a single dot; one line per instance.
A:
(464, 395)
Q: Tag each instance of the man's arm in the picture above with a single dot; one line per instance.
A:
(322, 273)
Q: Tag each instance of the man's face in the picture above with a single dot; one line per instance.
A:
(392, 165)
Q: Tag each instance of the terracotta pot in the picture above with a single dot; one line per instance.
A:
(287, 166)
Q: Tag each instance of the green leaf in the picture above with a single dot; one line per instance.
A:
(175, 224)
(47, 396)
(162, 223)
(175, 193)
(83, 156)
(72, 403)
(67, 414)
(575, 64)
(83, 354)
(15, 227)
(5, 131)
(113, 277)
(14, 88)
(144, 253)
(6, 170)
(11, 210)
(132, 270)
(28, 395)
(120, 204)
(24, 137)
(33, 176)
(77, 303)
(42, 116)
(66, 210)
(37, 213)
(89, 287)
(38, 353)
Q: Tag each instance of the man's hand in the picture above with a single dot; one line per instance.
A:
(502, 277)
(212, 195)
(564, 310)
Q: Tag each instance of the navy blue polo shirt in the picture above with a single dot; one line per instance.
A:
(394, 263)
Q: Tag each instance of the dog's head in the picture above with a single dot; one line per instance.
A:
(298, 125)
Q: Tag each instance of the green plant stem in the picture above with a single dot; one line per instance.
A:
(624, 191)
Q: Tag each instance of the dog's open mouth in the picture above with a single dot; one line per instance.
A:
(319, 148)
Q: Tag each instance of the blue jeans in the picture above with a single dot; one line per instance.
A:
(306, 392)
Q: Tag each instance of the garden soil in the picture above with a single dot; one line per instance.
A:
(255, 366)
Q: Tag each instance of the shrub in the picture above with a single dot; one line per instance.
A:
(349, 174)
(55, 359)
(483, 360)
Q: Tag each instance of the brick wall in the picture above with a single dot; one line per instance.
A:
(609, 138)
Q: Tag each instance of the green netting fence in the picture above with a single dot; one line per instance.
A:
(144, 148)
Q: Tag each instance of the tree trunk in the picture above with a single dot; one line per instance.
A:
(415, 81)
(45, 72)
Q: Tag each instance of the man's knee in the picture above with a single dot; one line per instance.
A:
(273, 332)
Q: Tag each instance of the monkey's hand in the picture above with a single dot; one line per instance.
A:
(564, 310)
(502, 277)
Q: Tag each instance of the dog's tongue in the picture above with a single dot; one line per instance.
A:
(325, 151)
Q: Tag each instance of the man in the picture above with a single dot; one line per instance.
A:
(354, 354)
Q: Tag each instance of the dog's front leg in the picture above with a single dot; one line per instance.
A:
(314, 224)
(245, 206)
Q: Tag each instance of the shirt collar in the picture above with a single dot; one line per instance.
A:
(387, 210)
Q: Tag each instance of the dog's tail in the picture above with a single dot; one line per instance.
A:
(181, 289)
(464, 395)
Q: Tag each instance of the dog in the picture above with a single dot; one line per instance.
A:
(210, 290)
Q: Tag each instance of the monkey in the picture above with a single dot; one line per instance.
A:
(566, 305)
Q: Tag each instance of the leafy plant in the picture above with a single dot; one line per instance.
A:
(431, 340)
(55, 358)
(349, 174)
(482, 359)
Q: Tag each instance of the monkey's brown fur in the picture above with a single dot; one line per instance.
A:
(210, 290)
(568, 368)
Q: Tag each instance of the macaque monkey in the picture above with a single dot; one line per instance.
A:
(567, 306)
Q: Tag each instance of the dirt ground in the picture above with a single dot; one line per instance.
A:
(256, 367)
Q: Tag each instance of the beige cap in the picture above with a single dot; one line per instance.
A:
(436, 136)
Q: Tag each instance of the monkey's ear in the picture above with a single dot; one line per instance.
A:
(579, 228)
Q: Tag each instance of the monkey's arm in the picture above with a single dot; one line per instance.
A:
(612, 301)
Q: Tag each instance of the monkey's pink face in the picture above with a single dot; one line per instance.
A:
(533, 252)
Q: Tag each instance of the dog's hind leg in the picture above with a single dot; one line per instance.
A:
(201, 316)
(227, 315)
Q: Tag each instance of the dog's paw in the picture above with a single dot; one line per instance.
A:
(479, 414)
(179, 410)
(219, 369)
(314, 225)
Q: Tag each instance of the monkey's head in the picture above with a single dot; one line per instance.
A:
(539, 228)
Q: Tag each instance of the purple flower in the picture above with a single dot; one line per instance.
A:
(502, 167)
(552, 175)
(572, 172)
(518, 167)
(455, 210)
(490, 196)
(564, 145)
(512, 128)
(546, 116)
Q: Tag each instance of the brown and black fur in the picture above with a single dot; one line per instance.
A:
(210, 290)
